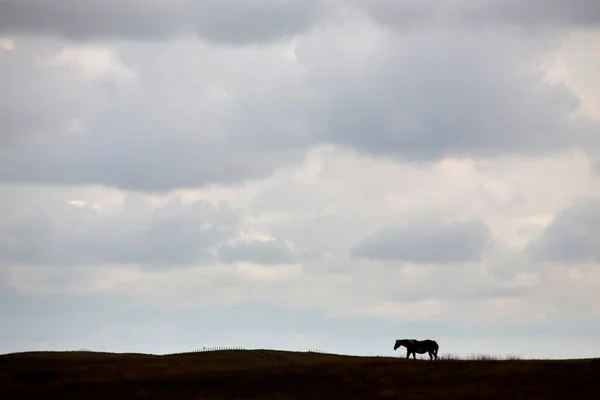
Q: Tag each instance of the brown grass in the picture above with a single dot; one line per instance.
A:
(270, 374)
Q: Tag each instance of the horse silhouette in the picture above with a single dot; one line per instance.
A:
(414, 346)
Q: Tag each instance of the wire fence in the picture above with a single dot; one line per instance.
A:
(319, 351)
(218, 348)
(235, 348)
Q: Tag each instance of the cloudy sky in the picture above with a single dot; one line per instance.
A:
(326, 174)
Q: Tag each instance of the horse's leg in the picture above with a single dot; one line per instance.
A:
(414, 355)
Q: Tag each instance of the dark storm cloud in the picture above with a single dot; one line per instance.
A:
(445, 93)
(426, 241)
(136, 137)
(175, 234)
(573, 236)
(532, 12)
(254, 21)
(232, 22)
(251, 21)
(423, 97)
(404, 15)
(126, 159)
(261, 252)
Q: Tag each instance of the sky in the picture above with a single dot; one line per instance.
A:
(310, 174)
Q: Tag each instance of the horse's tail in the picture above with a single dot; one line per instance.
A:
(436, 347)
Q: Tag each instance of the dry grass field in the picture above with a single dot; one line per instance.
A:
(270, 374)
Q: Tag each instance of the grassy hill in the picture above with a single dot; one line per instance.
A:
(271, 374)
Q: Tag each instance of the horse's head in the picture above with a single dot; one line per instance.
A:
(400, 342)
(403, 342)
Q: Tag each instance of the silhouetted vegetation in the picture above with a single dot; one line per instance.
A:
(271, 374)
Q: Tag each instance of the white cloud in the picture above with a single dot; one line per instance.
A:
(576, 64)
(91, 61)
(6, 44)
(254, 272)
